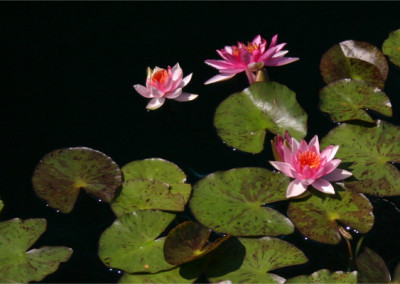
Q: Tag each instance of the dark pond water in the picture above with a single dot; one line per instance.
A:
(69, 70)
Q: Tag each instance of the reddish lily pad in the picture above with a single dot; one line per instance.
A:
(354, 60)
(252, 263)
(391, 47)
(372, 268)
(159, 170)
(370, 151)
(325, 276)
(232, 202)
(188, 241)
(62, 173)
(145, 194)
(131, 243)
(316, 216)
(20, 266)
(347, 100)
(243, 118)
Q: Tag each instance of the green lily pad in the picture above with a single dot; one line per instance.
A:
(131, 243)
(1, 205)
(391, 47)
(354, 60)
(370, 151)
(20, 266)
(61, 174)
(161, 171)
(372, 268)
(232, 202)
(188, 241)
(347, 100)
(325, 276)
(253, 264)
(243, 118)
(146, 194)
(316, 216)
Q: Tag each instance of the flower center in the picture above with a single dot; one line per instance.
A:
(251, 47)
(159, 76)
(309, 158)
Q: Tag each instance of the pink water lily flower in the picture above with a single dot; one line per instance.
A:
(308, 166)
(164, 83)
(249, 58)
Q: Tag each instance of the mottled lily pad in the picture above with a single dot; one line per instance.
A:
(370, 151)
(61, 174)
(131, 243)
(252, 259)
(232, 202)
(188, 241)
(391, 47)
(372, 268)
(347, 100)
(325, 276)
(20, 266)
(317, 216)
(243, 118)
(354, 60)
(145, 194)
(159, 170)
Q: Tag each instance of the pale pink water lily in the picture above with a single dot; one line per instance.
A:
(249, 58)
(164, 84)
(277, 145)
(308, 166)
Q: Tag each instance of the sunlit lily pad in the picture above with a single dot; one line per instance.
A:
(347, 100)
(370, 150)
(232, 202)
(243, 118)
(20, 266)
(325, 276)
(354, 60)
(391, 47)
(145, 194)
(131, 243)
(188, 241)
(252, 259)
(61, 174)
(317, 216)
(159, 170)
(372, 268)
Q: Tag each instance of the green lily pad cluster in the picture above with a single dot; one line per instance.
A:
(391, 47)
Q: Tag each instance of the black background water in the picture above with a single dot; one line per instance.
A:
(68, 71)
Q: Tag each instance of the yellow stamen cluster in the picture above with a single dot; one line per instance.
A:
(309, 158)
(159, 76)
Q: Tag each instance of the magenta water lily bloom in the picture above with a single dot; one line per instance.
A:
(308, 166)
(249, 58)
(164, 84)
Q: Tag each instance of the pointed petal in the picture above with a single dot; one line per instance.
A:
(281, 61)
(177, 72)
(156, 93)
(257, 40)
(323, 186)
(274, 40)
(143, 91)
(184, 97)
(338, 174)
(155, 103)
(330, 166)
(173, 94)
(283, 167)
(280, 53)
(219, 64)
(187, 79)
(329, 152)
(314, 143)
(218, 78)
(295, 188)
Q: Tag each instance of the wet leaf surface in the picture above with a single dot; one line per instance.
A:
(61, 174)
(316, 215)
(243, 118)
(371, 268)
(20, 266)
(232, 202)
(391, 47)
(325, 276)
(131, 243)
(369, 151)
(347, 100)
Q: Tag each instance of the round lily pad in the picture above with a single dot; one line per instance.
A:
(188, 241)
(354, 60)
(243, 118)
(372, 268)
(131, 243)
(348, 99)
(391, 47)
(159, 170)
(62, 173)
(169, 276)
(317, 216)
(145, 194)
(232, 202)
(20, 266)
(369, 151)
(325, 276)
(252, 259)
